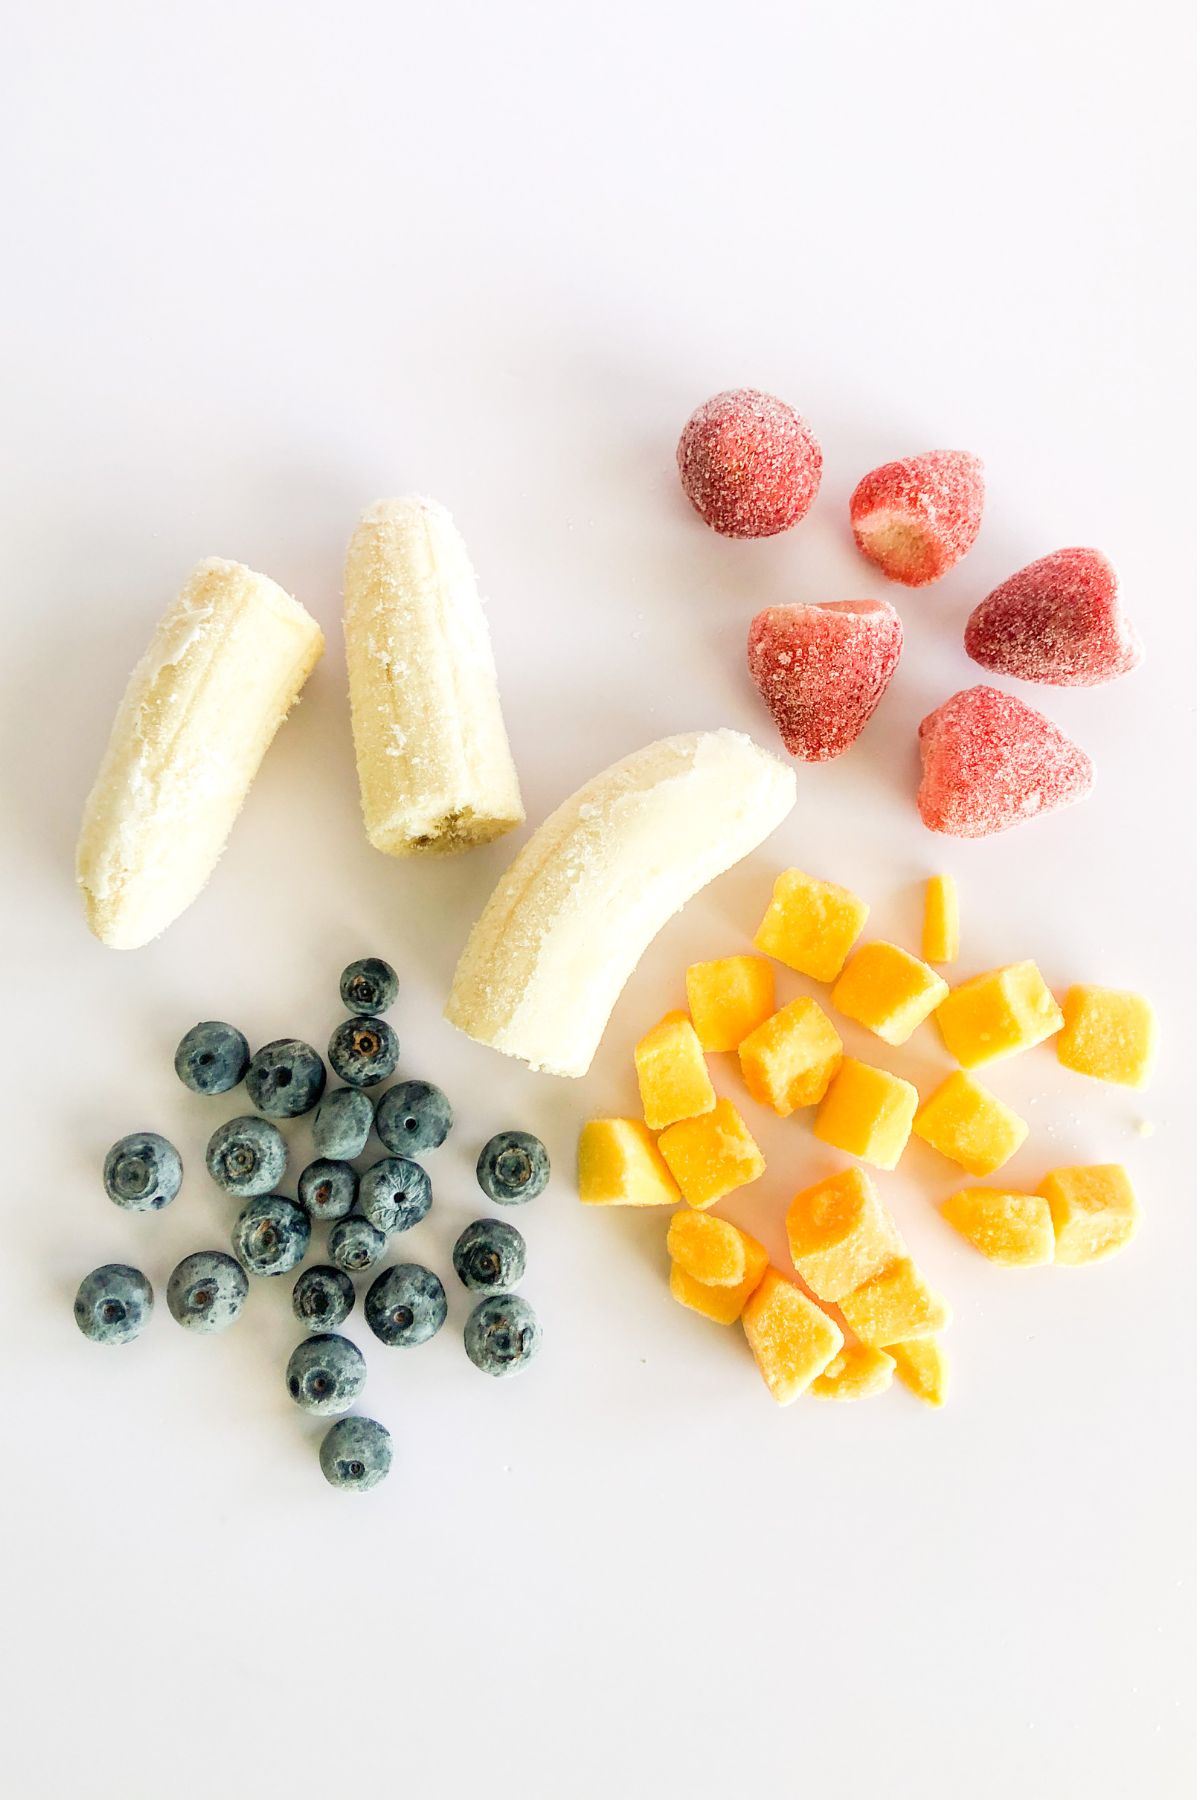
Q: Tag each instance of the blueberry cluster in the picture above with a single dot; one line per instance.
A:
(247, 1157)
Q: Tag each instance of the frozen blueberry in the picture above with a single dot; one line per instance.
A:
(356, 1454)
(325, 1374)
(113, 1304)
(489, 1256)
(355, 1245)
(212, 1057)
(343, 1123)
(207, 1290)
(513, 1167)
(395, 1193)
(270, 1235)
(369, 985)
(405, 1305)
(246, 1156)
(322, 1297)
(285, 1078)
(502, 1334)
(413, 1116)
(363, 1051)
(142, 1172)
(327, 1188)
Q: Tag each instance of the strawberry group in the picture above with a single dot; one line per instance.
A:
(1058, 620)
(823, 670)
(988, 762)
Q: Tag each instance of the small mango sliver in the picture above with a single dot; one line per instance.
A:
(855, 1373)
(939, 931)
(921, 1365)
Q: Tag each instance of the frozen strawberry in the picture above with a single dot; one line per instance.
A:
(989, 761)
(749, 463)
(823, 670)
(915, 518)
(1060, 620)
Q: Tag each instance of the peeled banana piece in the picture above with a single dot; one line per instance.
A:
(434, 767)
(227, 661)
(570, 919)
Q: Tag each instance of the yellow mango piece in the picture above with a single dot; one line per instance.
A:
(840, 1234)
(893, 1306)
(939, 933)
(867, 1112)
(998, 1014)
(1108, 1034)
(1015, 1230)
(969, 1125)
(855, 1374)
(810, 924)
(711, 1155)
(792, 1340)
(791, 1059)
(619, 1165)
(713, 1251)
(723, 1305)
(922, 1366)
(672, 1074)
(728, 998)
(888, 991)
(1094, 1209)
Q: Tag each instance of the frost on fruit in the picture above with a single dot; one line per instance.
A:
(728, 998)
(712, 1155)
(791, 1339)
(966, 1123)
(1094, 1209)
(998, 1014)
(917, 517)
(823, 670)
(1014, 1230)
(810, 925)
(1109, 1035)
(791, 1058)
(867, 1112)
(989, 762)
(840, 1234)
(1058, 620)
(619, 1165)
(888, 991)
(672, 1076)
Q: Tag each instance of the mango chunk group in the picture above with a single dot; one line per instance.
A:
(969, 1125)
(792, 1340)
(728, 998)
(711, 1155)
(998, 1014)
(888, 991)
(619, 1165)
(1015, 1230)
(867, 1112)
(921, 1365)
(1109, 1035)
(839, 1234)
(712, 1250)
(855, 1374)
(893, 1306)
(1094, 1210)
(810, 924)
(672, 1074)
(791, 1058)
(939, 931)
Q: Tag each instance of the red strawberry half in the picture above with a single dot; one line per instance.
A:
(823, 670)
(915, 518)
(1058, 620)
(989, 761)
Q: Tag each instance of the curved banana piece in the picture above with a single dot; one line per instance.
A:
(228, 659)
(571, 917)
(434, 766)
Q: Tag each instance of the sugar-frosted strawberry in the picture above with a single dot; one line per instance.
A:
(823, 670)
(1058, 620)
(915, 518)
(989, 762)
(749, 463)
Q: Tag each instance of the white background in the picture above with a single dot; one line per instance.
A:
(267, 262)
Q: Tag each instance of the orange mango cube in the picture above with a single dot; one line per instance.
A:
(840, 1234)
(922, 1367)
(888, 991)
(791, 1058)
(713, 1251)
(1015, 1230)
(810, 924)
(855, 1374)
(728, 998)
(672, 1074)
(792, 1340)
(711, 1155)
(1109, 1035)
(893, 1306)
(969, 1125)
(619, 1165)
(1094, 1209)
(723, 1305)
(867, 1112)
(939, 932)
(998, 1014)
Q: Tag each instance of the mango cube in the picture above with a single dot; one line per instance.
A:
(672, 1074)
(713, 1251)
(893, 1306)
(855, 1374)
(1108, 1034)
(619, 1165)
(810, 924)
(888, 991)
(867, 1112)
(939, 933)
(719, 1301)
(791, 1058)
(840, 1234)
(711, 1155)
(1015, 1230)
(998, 1014)
(792, 1340)
(922, 1366)
(969, 1125)
(728, 998)
(1094, 1209)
